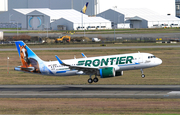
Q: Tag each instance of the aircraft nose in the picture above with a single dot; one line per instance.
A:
(159, 61)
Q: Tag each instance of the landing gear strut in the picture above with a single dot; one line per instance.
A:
(143, 76)
(95, 80)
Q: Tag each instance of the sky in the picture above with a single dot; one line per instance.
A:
(2, 5)
(163, 7)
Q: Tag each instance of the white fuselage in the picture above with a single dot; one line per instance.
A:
(120, 62)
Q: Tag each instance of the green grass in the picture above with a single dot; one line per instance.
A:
(9, 28)
(61, 45)
(162, 114)
(165, 74)
(93, 106)
(110, 31)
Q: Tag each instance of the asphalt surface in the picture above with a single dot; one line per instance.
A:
(90, 91)
(90, 48)
(155, 35)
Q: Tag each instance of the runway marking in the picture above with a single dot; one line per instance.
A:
(83, 94)
(90, 91)
(174, 92)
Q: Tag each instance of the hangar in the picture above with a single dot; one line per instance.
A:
(45, 18)
(154, 21)
(54, 4)
(139, 18)
(89, 23)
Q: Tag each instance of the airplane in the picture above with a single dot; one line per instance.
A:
(103, 66)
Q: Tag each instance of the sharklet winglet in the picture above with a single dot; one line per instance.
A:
(59, 59)
(60, 62)
(83, 55)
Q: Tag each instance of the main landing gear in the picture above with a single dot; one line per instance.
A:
(143, 76)
(95, 80)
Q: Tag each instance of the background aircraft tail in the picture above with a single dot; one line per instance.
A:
(85, 8)
(30, 61)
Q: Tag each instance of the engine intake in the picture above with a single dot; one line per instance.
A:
(107, 72)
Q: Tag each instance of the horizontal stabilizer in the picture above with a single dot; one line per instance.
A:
(23, 68)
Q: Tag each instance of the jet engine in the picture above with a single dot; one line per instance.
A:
(119, 73)
(107, 72)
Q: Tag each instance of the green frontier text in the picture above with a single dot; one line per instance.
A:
(106, 61)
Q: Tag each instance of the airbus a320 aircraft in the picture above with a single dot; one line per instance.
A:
(103, 66)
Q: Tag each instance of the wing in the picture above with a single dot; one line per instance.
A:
(87, 70)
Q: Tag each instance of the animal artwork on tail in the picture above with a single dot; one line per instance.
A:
(28, 62)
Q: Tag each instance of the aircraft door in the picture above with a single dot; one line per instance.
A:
(140, 58)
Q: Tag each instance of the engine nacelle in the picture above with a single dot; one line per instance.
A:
(119, 73)
(107, 72)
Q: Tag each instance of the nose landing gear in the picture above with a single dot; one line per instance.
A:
(143, 76)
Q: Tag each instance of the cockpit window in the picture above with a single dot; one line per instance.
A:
(149, 57)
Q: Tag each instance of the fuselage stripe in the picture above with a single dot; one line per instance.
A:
(130, 64)
(61, 71)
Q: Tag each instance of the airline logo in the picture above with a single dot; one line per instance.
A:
(106, 61)
(85, 8)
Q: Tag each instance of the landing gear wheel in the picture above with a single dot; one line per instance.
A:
(95, 80)
(143, 76)
(90, 80)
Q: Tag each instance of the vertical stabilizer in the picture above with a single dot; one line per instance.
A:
(85, 8)
(30, 61)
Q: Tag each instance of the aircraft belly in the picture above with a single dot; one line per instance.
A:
(133, 67)
(65, 73)
(127, 68)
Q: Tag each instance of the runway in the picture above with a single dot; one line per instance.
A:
(111, 36)
(91, 48)
(90, 91)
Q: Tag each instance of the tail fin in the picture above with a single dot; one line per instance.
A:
(85, 8)
(28, 58)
